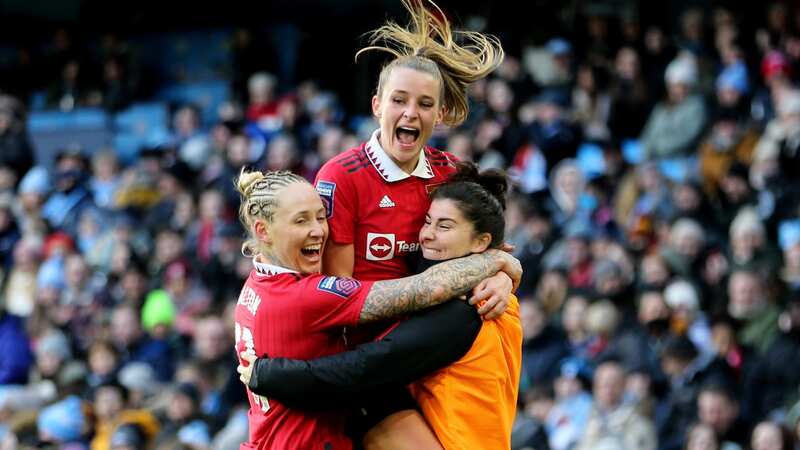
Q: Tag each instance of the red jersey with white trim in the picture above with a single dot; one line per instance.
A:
(377, 207)
(282, 313)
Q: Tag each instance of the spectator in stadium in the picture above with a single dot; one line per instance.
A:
(19, 292)
(543, 345)
(683, 249)
(687, 371)
(777, 372)
(630, 96)
(134, 344)
(65, 423)
(728, 142)
(111, 411)
(573, 323)
(687, 317)
(15, 346)
(749, 303)
(718, 407)
(64, 207)
(614, 423)
(769, 435)
(567, 419)
(552, 132)
(675, 125)
(529, 430)
(105, 179)
(638, 343)
(702, 437)
(592, 102)
(182, 422)
(789, 240)
(776, 72)
(749, 248)
(262, 105)
(16, 153)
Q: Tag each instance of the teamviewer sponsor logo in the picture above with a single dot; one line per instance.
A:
(380, 247)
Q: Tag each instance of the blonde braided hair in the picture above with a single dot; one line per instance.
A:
(259, 200)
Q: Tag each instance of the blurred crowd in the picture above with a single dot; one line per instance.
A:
(655, 207)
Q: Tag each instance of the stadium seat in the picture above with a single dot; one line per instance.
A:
(50, 131)
(206, 95)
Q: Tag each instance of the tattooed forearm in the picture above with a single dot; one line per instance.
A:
(441, 282)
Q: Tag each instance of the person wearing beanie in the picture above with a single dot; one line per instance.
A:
(128, 437)
(789, 240)
(63, 422)
(676, 123)
(687, 315)
(776, 72)
(31, 194)
(158, 314)
(573, 403)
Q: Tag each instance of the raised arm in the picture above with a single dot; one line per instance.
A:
(422, 344)
(393, 298)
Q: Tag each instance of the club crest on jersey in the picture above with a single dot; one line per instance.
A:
(325, 189)
(380, 247)
(429, 188)
(343, 287)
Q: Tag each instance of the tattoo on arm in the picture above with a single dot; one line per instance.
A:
(392, 298)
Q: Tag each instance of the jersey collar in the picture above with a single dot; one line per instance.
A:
(390, 171)
(269, 269)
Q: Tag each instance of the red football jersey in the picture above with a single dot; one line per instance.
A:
(377, 207)
(282, 313)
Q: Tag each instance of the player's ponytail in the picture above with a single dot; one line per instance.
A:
(259, 200)
(480, 196)
(428, 44)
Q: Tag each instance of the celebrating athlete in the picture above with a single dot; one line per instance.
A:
(287, 308)
(470, 403)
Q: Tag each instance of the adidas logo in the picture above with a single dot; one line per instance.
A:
(386, 202)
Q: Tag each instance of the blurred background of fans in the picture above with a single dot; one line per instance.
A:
(654, 153)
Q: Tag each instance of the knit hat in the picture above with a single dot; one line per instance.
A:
(139, 376)
(128, 435)
(734, 77)
(35, 181)
(195, 433)
(681, 294)
(558, 46)
(775, 63)
(56, 344)
(682, 69)
(62, 421)
(51, 274)
(158, 309)
(789, 233)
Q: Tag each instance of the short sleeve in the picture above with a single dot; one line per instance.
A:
(330, 302)
(338, 195)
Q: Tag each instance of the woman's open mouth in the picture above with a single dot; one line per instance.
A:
(407, 136)
(311, 251)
